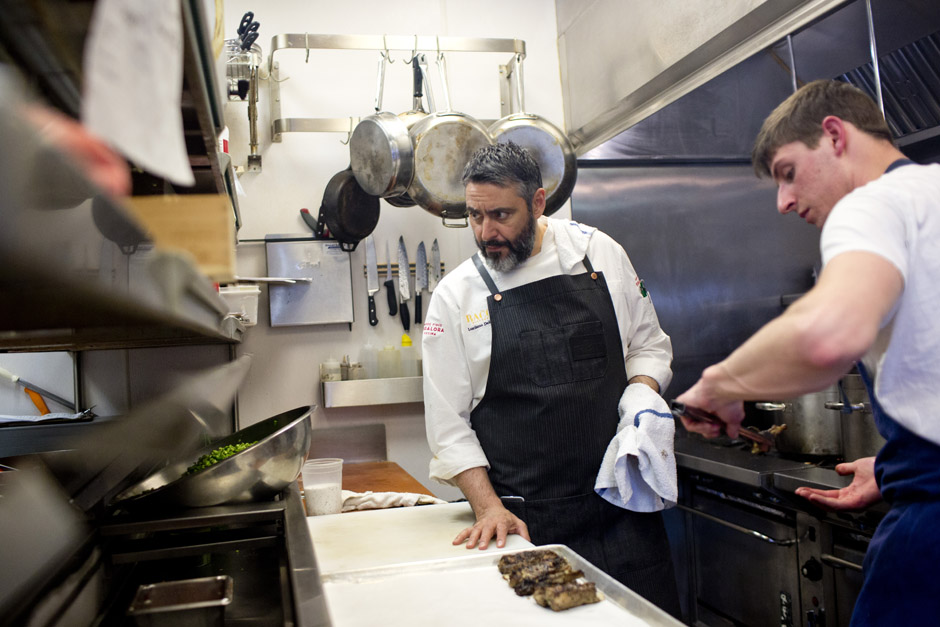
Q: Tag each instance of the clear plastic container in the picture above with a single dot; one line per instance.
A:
(389, 362)
(330, 370)
(323, 486)
(369, 359)
(409, 357)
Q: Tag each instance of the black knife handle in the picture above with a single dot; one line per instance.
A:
(405, 317)
(392, 298)
(373, 319)
(417, 308)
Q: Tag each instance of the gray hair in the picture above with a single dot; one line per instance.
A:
(505, 164)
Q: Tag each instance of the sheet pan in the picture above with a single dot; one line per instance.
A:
(469, 592)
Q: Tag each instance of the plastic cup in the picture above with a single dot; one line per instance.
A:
(323, 486)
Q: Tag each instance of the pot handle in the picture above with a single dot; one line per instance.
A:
(380, 84)
(770, 406)
(846, 408)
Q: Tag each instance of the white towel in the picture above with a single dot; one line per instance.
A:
(353, 501)
(639, 468)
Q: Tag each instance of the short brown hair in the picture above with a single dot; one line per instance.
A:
(799, 118)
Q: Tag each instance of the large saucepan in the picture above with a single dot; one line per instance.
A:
(380, 151)
(443, 144)
(860, 437)
(258, 472)
(813, 428)
(547, 143)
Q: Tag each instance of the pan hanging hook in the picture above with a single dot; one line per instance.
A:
(440, 55)
(414, 51)
(348, 134)
(307, 47)
(385, 53)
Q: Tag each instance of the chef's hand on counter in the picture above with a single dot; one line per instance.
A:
(861, 493)
(492, 518)
(703, 396)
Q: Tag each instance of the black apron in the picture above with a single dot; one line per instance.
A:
(549, 411)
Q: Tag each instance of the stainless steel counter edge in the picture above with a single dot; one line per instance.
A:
(760, 471)
(309, 600)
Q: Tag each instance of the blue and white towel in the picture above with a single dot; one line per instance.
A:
(639, 468)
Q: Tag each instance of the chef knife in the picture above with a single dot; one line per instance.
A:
(435, 266)
(404, 289)
(390, 284)
(421, 280)
(372, 278)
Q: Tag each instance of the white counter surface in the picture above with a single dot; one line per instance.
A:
(382, 537)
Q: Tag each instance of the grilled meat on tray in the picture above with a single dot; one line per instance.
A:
(566, 595)
(528, 571)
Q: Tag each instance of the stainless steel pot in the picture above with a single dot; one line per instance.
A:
(813, 428)
(860, 437)
(444, 142)
(547, 143)
(380, 151)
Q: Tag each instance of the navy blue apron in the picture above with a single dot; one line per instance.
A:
(549, 411)
(902, 563)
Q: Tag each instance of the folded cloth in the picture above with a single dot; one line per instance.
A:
(639, 468)
(353, 501)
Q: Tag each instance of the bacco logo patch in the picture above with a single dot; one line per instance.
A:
(478, 319)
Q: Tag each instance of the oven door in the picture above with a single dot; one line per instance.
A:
(745, 561)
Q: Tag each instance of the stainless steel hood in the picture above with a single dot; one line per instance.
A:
(721, 118)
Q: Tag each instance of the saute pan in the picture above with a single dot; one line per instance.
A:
(547, 143)
(443, 144)
(380, 151)
(348, 210)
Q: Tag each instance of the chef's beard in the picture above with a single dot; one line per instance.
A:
(518, 250)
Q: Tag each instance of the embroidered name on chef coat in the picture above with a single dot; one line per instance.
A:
(433, 328)
(478, 319)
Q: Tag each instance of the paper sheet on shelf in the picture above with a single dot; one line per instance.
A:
(133, 84)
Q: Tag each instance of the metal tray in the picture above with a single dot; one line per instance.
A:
(470, 591)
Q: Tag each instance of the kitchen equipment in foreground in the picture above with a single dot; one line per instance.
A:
(443, 144)
(199, 601)
(380, 152)
(404, 289)
(372, 278)
(547, 144)
(260, 471)
(425, 587)
(421, 279)
(390, 284)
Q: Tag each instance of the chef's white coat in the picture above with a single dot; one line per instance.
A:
(457, 336)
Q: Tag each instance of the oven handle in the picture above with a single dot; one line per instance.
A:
(838, 562)
(750, 532)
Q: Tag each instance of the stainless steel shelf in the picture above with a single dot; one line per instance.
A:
(372, 392)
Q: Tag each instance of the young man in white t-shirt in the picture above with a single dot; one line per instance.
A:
(876, 305)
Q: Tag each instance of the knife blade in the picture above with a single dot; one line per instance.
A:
(421, 279)
(404, 272)
(390, 284)
(372, 278)
(435, 266)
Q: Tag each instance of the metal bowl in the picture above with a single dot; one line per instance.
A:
(258, 472)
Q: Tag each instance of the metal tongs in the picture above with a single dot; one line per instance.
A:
(694, 414)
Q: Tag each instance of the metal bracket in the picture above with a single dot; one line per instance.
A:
(381, 43)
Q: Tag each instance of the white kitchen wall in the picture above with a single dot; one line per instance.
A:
(284, 372)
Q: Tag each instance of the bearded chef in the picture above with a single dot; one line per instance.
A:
(528, 347)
